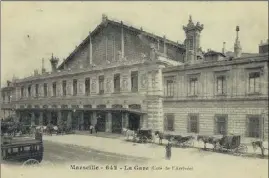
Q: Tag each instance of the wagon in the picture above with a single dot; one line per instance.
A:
(144, 135)
(28, 151)
(232, 143)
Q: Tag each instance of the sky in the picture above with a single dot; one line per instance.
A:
(31, 31)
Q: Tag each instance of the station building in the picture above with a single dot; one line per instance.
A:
(121, 76)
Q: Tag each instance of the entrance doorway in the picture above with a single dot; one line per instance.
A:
(116, 122)
(134, 121)
(54, 118)
(45, 119)
(87, 120)
(101, 121)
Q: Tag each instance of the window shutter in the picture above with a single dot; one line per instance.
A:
(173, 122)
(226, 125)
(259, 84)
(247, 127)
(215, 125)
(261, 118)
(189, 124)
(165, 123)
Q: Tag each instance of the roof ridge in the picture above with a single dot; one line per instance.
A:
(147, 33)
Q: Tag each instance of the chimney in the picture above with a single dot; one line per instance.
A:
(223, 48)
(54, 62)
(237, 45)
(104, 18)
(35, 72)
(43, 70)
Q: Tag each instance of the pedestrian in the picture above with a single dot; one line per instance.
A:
(91, 128)
(96, 128)
(168, 152)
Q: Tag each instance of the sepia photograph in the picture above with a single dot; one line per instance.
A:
(134, 89)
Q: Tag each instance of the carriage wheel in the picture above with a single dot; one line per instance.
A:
(243, 149)
(144, 139)
(31, 162)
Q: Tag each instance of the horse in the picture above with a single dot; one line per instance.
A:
(127, 133)
(256, 144)
(209, 139)
(162, 136)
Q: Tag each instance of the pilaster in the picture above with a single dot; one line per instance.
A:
(41, 118)
(109, 122)
(59, 117)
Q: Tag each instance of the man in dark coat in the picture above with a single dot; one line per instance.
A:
(96, 128)
(168, 150)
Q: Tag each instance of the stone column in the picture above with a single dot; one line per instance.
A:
(69, 119)
(126, 119)
(49, 116)
(18, 115)
(59, 117)
(109, 122)
(82, 121)
(32, 118)
(94, 118)
(40, 118)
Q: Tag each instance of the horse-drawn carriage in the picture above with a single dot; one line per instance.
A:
(28, 151)
(144, 135)
(231, 143)
(228, 143)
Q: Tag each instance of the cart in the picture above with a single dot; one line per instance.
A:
(28, 151)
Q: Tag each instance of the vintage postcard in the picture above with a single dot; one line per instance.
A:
(134, 89)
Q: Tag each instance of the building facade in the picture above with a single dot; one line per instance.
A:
(121, 76)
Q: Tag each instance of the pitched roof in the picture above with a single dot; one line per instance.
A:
(121, 24)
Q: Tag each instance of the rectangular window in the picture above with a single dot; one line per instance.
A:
(87, 86)
(169, 122)
(117, 83)
(54, 89)
(193, 86)
(9, 96)
(254, 82)
(191, 43)
(45, 89)
(29, 90)
(221, 124)
(36, 90)
(169, 88)
(254, 127)
(64, 88)
(134, 81)
(101, 84)
(221, 85)
(193, 123)
(22, 92)
(75, 87)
